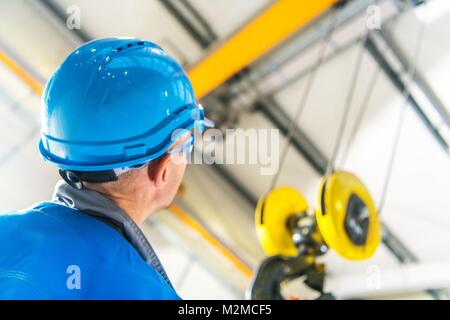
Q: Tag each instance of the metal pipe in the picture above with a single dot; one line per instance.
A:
(378, 282)
(403, 254)
(291, 50)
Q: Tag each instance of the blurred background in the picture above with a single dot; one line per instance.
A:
(249, 79)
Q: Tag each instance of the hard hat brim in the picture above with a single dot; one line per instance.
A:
(196, 122)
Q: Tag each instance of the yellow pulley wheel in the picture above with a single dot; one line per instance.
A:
(271, 218)
(347, 216)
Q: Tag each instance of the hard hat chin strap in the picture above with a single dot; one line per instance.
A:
(76, 178)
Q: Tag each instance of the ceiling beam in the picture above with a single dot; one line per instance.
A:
(396, 80)
(60, 15)
(300, 140)
(419, 79)
(191, 20)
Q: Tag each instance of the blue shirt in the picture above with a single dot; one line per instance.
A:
(52, 251)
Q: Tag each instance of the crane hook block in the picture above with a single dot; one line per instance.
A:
(271, 216)
(347, 216)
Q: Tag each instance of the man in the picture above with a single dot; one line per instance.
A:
(117, 120)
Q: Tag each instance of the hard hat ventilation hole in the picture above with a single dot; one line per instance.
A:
(130, 45)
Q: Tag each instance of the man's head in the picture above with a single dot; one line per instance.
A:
(152, 186)
(109, 115)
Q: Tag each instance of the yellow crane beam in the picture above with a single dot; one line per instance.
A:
(21, 73)
(269, 29)
(193, 224)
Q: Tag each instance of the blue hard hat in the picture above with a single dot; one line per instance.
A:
(115, 103)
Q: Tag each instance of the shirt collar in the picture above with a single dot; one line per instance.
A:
(96, 204)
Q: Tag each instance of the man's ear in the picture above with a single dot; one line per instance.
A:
(158, 170)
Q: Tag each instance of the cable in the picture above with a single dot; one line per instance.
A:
(405, 95)
(348, 103)
(291, 128)
(361, 114)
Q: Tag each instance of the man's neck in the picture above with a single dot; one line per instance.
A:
(136, 205)
(136, 209)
